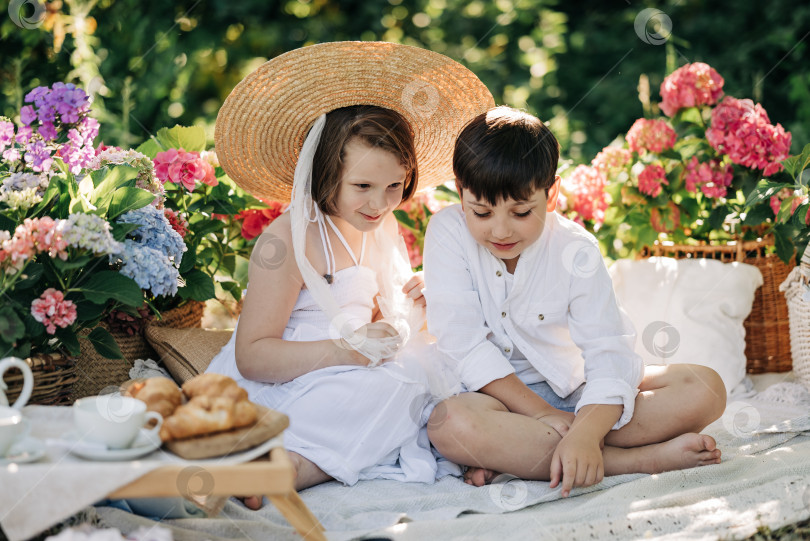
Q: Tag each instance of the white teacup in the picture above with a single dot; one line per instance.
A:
(13, 428)
(113, 420)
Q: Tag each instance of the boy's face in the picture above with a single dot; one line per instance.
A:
(508, 227)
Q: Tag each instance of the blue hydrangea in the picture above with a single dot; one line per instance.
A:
(155, 232)
(149, 267)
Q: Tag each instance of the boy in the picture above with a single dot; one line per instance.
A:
(520, 299)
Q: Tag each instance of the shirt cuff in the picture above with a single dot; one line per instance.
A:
(483, 365)
(610, 391)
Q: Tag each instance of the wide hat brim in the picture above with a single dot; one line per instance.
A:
(262, 125)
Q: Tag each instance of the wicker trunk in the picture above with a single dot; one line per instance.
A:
(54, 376)
(767, 328)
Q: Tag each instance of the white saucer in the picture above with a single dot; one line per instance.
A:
(28, 450)
(143, 445)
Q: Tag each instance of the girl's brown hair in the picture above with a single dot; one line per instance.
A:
(377, 127)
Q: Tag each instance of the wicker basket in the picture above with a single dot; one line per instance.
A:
(54, 376)
(794, 289)
(97, 372)
(767, 329)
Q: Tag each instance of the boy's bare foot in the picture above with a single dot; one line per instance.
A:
(479, 477)
(685, 451)
(254, 503)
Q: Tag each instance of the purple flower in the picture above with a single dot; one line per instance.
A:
(36, 94)
(38, 156)
(46, 114)
(24, 134)
(27, 115)
(48, 131)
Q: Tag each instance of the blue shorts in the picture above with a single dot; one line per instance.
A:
(544, 391)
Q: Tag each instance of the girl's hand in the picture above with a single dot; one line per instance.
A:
(559, 420)
(413, 288)
(374, 330)
(577, 462)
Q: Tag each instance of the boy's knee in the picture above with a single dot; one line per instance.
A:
(706, 388)
(450, 421)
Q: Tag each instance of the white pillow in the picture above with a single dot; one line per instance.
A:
(689, 311)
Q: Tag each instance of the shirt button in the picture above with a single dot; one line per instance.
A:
(498, 273)
(507, 350)
(541, 317)
(503, 314)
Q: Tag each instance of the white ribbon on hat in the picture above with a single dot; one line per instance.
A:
(398, 309)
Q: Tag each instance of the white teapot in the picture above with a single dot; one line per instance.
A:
(28, 381)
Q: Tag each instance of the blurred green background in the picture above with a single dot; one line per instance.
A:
(583, 66)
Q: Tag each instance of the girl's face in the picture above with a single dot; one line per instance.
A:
(371, 185)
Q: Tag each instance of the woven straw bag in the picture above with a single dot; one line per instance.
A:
(54, 376)
(97, 372)
(797, 294)
(767, 328)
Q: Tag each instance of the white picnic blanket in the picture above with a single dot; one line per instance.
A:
(762, 481)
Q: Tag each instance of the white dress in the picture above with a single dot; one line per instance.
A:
(353, 422)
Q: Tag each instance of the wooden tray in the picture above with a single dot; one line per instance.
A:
(270, 423)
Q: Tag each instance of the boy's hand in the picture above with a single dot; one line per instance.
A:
(413, 288)
(577, 461)
(559, 420)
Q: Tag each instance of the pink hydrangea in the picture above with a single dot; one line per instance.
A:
(650, 135)
(585, 187)
(35, 235)
(712, 178)
(53, 310)
(652, 179)
(611, 161)
(691, 85)
(743, 130)
(186, 168)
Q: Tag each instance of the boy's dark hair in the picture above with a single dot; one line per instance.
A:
(375, 126)
(505, 153)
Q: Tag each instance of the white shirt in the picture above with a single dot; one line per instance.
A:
(561, 312)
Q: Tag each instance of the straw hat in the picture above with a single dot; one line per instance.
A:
(264, 121)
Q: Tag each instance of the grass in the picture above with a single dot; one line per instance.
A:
(791, 532)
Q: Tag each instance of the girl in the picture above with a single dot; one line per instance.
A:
(329, 331)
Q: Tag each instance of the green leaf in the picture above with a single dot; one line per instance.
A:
(73, 263)
(403, 218)
(189, 259)
(189, 138)
(69, 340)
(671, 154)
(33, 272)
(89, 311)
(800, 215)
(690, 114)
(150, 148)
(803, 162)
(104, 343)
(763, 192)
(199, 286)
(121, 230)
(234, 288)
(126, 199)
(783, 243)
(647, 235)
(717, 217)
(758, 215)
(12, 328)
(106, 285)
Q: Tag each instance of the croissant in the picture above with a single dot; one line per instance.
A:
(214, 385)
(160, 394)
(206, 414)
